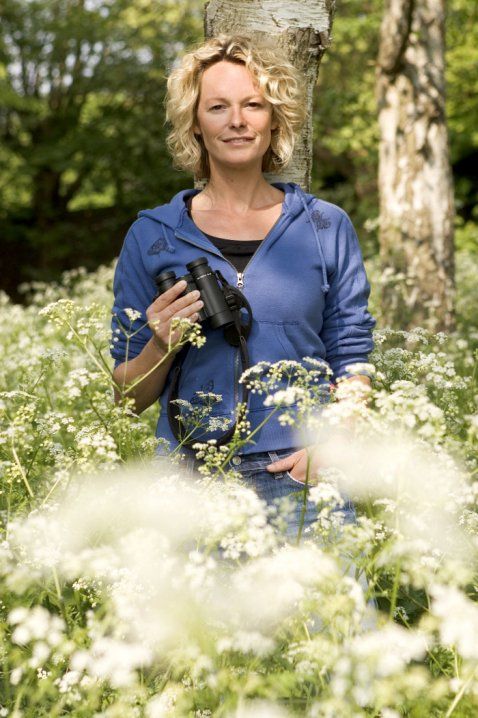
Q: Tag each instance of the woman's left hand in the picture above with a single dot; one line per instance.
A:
(296, 465)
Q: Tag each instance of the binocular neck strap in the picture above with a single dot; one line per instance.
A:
(174, 412)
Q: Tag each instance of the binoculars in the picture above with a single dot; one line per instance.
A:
(222, 309)
(219, 301)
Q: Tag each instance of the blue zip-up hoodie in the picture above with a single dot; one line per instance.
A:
(306, 284)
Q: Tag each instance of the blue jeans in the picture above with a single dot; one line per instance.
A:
(273, 486)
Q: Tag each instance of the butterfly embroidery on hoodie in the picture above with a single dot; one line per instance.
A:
(207, 387)
(159, 246)
(321, 220)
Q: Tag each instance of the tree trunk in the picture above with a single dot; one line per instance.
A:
(302, 28)
(415, 179)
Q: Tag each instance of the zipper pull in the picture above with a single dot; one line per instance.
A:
(240, 279)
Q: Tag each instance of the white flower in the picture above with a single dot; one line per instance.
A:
(392, 464)
(21, 636)
(162, 706)
(17, 615)
(326, 493)
(132, 314)
(363, 368)
(41, 651)
(402, 645)
(117, 661)
(285, 396)
(458, 619)
(246, 642)
(259, 709)
(67, 680)
(16, 676)
(36, 624)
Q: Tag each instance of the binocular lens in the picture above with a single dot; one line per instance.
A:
(201, 277)
(165, 281)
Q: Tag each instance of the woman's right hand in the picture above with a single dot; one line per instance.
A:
(168, 306)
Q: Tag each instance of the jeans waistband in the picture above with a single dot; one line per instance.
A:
(251, 461)
(240, 462)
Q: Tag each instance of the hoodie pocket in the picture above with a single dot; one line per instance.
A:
(269, 342)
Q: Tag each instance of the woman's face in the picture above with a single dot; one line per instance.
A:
(231, 106)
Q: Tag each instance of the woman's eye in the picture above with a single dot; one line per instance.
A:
(253, 104)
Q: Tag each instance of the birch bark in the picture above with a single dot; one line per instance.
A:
(415, 178)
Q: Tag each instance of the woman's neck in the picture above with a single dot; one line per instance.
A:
(237, 195)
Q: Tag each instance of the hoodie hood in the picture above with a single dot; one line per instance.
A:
(174, 213)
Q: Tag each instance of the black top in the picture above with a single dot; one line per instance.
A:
(237, 251)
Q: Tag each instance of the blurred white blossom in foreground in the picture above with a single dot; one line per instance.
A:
(158, 546)
(421, 487)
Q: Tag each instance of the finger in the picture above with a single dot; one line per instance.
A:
(169, 313)
(184, 302)
(169, 295)
(176, 308)
(161, 323)
(281, 465)
(287, 462)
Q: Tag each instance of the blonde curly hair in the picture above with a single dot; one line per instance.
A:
(278, 80)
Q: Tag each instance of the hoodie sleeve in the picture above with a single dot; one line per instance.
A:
(133, 289)
(347, 323)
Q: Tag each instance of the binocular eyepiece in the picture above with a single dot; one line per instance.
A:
(216, 309)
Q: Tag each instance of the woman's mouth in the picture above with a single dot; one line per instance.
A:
(239, 140)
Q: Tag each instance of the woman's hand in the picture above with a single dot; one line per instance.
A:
(296, 465)
(168, 306)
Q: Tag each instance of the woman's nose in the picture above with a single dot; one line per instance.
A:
(236, 118)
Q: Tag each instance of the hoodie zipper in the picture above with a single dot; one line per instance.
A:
(239, 285)
(218, 254)
(240, 275)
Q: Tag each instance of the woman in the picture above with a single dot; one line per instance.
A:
(236, 110)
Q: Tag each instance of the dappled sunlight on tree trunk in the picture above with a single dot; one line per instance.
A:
(415, 180)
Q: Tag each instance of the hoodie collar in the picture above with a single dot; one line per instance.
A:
(174, 214)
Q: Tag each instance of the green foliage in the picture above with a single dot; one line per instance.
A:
(462, 102)
(86, 107)
(82, 123)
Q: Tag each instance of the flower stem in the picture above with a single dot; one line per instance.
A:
(22, 472)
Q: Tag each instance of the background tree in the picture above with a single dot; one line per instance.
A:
(415, 178)
(82, 124)
(303, 29)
